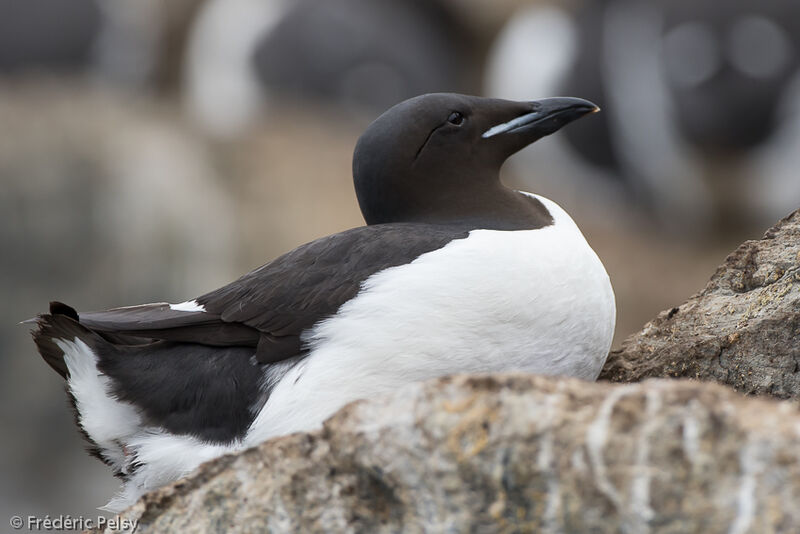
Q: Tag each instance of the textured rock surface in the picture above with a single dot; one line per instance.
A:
(510, 454)
(742, 330)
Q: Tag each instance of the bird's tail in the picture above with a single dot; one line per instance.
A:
(152, 410)
(60, 324)
(72, 350)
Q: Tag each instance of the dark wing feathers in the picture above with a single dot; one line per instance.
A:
(212, 393)
(159, 321)
(289, 295)
(147, 316)
(269, 308)
(273, 349)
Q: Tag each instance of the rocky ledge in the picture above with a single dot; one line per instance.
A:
(510, 454)
(742, 330)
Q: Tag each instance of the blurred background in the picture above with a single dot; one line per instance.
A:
(155, 150)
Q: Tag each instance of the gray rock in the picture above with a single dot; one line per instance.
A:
(742, 330)
(509, 454)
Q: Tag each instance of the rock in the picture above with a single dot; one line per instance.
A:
(509, 453)
(742, 330)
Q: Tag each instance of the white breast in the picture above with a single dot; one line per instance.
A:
(538, 301)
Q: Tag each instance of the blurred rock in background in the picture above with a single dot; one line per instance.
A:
(156, 150)
(106, 199)
(294, 180)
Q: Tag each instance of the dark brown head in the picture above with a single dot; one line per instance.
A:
(438, 156)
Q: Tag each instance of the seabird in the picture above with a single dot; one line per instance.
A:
(453, 273)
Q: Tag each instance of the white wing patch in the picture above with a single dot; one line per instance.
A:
(188, 306)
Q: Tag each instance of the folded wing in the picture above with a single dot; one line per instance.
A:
(270, 307)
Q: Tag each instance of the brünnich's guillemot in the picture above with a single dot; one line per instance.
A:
(454, 273)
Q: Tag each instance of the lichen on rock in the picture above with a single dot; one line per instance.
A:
(510, 453)
(742, 329)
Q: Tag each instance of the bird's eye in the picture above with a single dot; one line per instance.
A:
(455, 118)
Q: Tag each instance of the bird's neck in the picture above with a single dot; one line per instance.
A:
(494, 207)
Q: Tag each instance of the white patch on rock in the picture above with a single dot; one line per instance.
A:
(544, 462)
(596, 438)
(746, 496)
(691, 432)
(642, 475)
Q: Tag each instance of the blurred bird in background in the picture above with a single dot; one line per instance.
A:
(358, 54)
(114, 40)
(701, 102)
(147, 150)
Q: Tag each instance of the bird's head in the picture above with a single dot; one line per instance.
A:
(445, 148)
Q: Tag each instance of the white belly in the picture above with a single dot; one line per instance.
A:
(537, 301)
